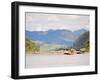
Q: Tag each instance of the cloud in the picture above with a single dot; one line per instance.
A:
(44, 22)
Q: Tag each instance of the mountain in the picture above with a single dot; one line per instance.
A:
(63, 37)
(82, 41)
(79, 32)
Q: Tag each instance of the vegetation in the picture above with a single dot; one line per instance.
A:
(31, 47)
(87, 45)
(83, 42)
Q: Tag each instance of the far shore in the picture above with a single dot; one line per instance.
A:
(50, 53)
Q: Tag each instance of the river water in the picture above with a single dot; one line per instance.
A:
(40, 61)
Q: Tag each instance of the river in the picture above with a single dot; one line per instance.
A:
(58, 60)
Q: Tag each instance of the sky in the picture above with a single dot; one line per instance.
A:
(45, 21)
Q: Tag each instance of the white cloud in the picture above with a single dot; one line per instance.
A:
(44, 22)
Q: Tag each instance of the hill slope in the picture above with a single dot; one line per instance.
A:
(82, 41)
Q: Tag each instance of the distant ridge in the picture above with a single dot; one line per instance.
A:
(64, 37)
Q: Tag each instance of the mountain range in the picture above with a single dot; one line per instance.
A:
(60, 36)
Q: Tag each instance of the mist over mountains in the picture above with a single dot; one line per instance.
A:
(60, 36)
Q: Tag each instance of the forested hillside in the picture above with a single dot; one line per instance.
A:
(82, 41)
(31, 47)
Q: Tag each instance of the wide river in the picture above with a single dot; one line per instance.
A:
(40, 61)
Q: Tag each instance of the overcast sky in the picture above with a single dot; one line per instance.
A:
(45, 22)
